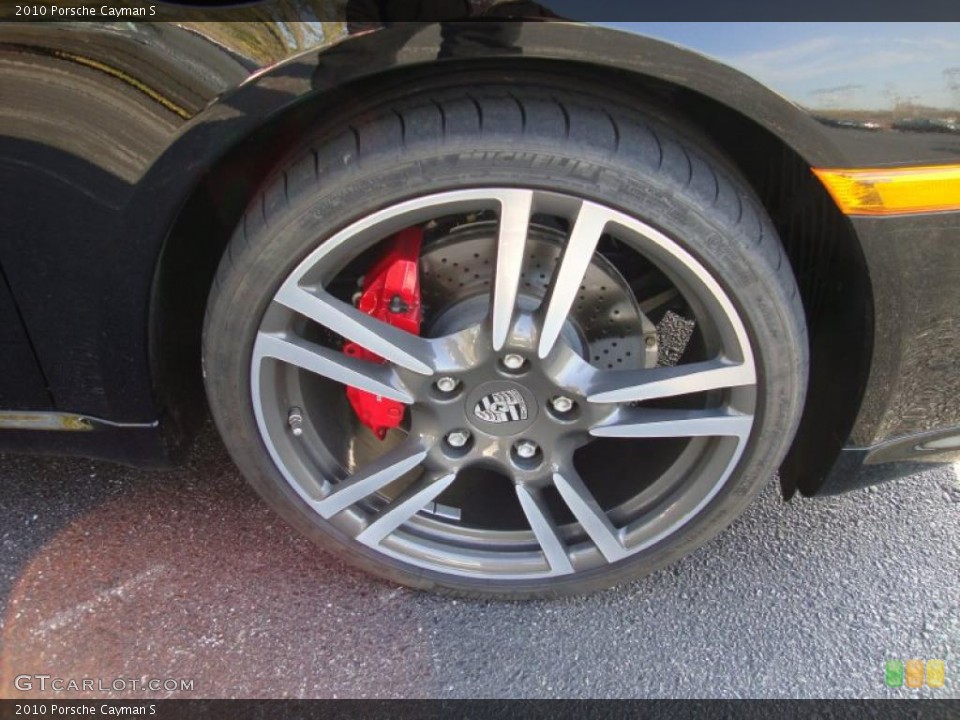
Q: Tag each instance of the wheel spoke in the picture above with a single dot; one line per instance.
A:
(375, 476)
(512, 238)
(394, 345)
(644, 423)
(587, 229)
(369, 376)
(589, 514)
(408, 504)
(545, 530)
(661, 382)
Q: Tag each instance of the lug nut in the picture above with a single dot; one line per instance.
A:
(525, 449)
(446, 384)
(562, 404)
(458, 438)
(295, 421)
(513, 361)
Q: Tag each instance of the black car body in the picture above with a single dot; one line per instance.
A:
(129, 151)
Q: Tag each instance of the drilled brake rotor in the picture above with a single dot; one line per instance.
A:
(613, 333)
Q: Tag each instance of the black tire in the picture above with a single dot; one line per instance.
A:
(579, 141)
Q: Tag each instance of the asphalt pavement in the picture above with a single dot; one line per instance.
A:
(108, 572)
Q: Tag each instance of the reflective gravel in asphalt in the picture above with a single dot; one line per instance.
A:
(109, 572)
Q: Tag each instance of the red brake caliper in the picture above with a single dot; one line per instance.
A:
(391, 293)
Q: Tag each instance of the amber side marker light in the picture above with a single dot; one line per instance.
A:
(893, 191)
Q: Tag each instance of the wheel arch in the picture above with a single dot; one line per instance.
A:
(773, 142)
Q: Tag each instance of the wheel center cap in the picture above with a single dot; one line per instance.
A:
(502, 408)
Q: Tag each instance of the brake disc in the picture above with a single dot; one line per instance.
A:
(458, 267)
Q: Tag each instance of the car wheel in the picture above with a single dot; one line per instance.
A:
(604, 355)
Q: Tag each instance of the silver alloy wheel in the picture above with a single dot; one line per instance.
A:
(410, 526)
